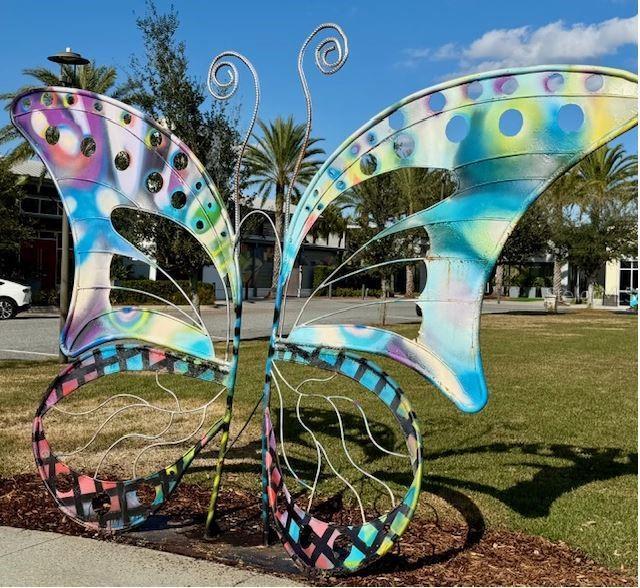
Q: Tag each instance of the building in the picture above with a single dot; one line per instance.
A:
(620, 281)
(41, 256)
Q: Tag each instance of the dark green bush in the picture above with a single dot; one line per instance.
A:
(320, 273)
(539, 282)
(163, 288)
(45, 298)
(355, 292)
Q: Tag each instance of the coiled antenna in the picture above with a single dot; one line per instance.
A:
(328, 64)
(224, 90)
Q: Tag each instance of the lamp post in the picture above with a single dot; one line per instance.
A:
(71, 58)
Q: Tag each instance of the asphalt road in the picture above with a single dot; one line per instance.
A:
(35, 336)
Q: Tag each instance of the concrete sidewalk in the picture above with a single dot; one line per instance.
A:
(36, 558)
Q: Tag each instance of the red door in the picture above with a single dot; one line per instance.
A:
(39, 260)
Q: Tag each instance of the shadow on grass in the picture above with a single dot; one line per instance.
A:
(530, 497)
(534, 496)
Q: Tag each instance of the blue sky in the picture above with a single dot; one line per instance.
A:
(396, 48)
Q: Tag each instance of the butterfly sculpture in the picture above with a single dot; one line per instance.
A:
(506, 135)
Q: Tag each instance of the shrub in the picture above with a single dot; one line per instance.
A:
(320, 274)
(163, 288)
(355, 292)
(539, 282)
(45, 298)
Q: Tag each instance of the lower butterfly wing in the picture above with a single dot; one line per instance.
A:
(104, 155)
(94, 501)
(507, 136)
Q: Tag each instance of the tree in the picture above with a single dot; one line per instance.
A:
(271, 162)
(529, 238)
(13, 228)
(557, 199)
(100, 79)
(374, 207)
(601, 225)
(161, 85)
(417, 189)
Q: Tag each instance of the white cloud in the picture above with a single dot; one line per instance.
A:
(555, 42)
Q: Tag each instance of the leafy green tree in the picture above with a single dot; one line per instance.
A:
(374, 206)
(161, 85)
(529, 238)
(415, 190)
(13, 228)
(100, 79)
(557, 200)
(601, 223)
(271, 162)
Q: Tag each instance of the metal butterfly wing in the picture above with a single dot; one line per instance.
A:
(104, 156)
(558, 115)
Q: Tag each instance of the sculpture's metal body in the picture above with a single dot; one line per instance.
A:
(506, 135)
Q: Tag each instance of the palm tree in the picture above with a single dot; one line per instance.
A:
(271, 163)
(608, 179)
(417, 189)
(99, 79)
(602, 180)
(558, 197)
(607, 172)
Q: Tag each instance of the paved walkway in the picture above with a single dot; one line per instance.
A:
(36, 558)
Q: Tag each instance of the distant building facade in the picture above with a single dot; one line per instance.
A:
(40, 257)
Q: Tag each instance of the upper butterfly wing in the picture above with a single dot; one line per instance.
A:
(104, 155)
(558, 115)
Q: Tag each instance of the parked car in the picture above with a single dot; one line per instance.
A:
(14, 298)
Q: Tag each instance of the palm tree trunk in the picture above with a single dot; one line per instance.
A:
(557, 278)
(279, 223)
(409, 290)
(591, 282)
(383, 295)
(499, 281)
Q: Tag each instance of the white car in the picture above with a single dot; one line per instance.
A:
(14, 298)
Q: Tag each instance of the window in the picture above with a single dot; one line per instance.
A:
(48, 207)
(29, 205)
(628, 280)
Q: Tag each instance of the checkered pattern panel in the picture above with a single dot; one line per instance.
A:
(315, 543)
(122, 504)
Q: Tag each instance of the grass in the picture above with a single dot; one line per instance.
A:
(554, 453)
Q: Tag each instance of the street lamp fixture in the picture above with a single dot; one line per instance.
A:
(69, 58)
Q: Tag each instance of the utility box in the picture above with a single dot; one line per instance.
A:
(551, 304)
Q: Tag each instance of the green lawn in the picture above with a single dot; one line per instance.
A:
(554, 453)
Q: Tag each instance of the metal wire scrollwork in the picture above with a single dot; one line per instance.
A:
(224, 90)
(338, 44)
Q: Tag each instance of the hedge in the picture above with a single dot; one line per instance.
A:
(354, 292)
(163, 288)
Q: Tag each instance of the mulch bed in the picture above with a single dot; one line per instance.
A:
(432, 552)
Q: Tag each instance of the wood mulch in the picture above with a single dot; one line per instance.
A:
(432, 552)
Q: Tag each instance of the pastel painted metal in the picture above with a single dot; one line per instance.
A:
(506, 135)
(104, 155)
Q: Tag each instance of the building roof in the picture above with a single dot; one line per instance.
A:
(30, 167)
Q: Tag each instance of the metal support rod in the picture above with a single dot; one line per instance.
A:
(64, 278)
